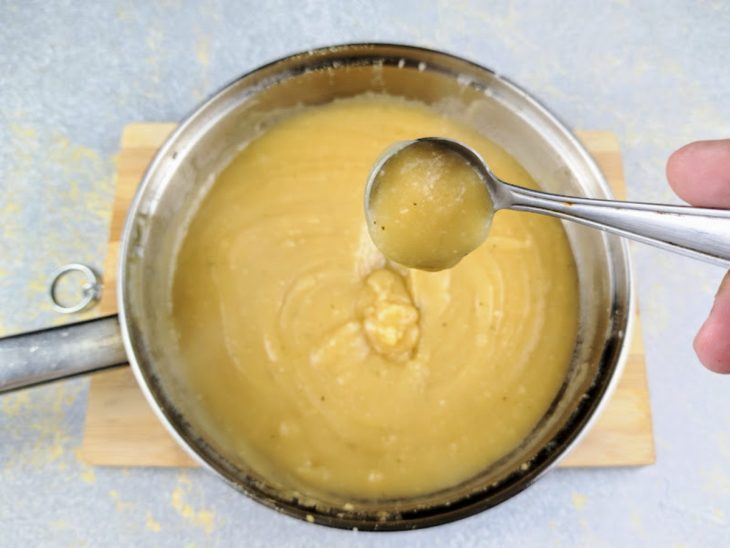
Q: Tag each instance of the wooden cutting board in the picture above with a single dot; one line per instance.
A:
(122, 430)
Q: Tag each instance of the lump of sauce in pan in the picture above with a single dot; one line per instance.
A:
(428, 207)
(327, 368)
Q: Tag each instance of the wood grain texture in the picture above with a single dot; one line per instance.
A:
(122, 430)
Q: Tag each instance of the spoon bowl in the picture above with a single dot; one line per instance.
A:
(426, 184)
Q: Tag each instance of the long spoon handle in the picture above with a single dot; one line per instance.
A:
(696, 232)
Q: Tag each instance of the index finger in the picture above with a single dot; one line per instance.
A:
(699, 173)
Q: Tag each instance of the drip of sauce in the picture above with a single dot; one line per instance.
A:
(334, 372)
(428, 207)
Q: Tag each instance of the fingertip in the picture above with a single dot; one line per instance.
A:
(675, 169)
(707, 346)
(698, 173)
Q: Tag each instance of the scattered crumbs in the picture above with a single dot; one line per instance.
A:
(154, 42)
(718, 516)
(57, 524)
(50, 441)
(202, 518)
(14, 403)
(88, 476)
(202, 54)
(202, 51)
(579, 501)
(20, 131)
(123, 14)
(119, 504)
(310, 518)
(152, 524)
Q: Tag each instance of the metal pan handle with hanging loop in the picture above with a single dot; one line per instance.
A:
(33, 358)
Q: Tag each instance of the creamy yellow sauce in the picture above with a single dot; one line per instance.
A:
(428, 207)
(330, 370)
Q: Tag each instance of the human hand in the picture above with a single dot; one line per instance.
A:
(699, 173)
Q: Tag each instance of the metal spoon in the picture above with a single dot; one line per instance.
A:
(700, 233)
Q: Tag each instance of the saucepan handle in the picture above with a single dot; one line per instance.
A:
(33, 358)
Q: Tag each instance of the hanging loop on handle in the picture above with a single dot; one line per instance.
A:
(90, 291)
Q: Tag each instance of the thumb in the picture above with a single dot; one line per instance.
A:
(712, 343)
(700, 173)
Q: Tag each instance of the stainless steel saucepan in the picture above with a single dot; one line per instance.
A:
(179, 177)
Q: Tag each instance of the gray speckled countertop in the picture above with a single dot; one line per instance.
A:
(72, 74)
